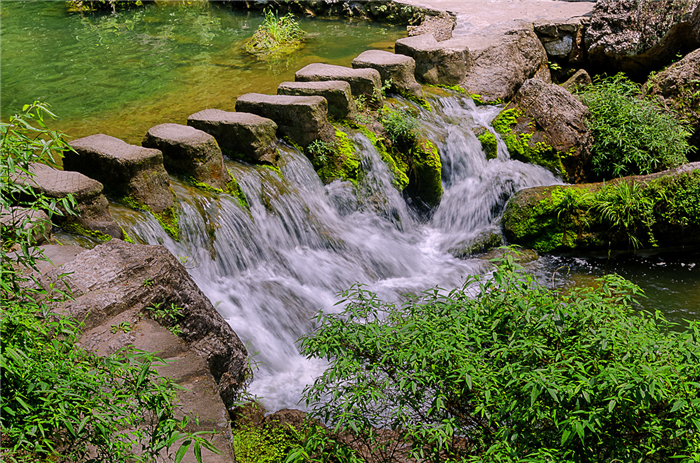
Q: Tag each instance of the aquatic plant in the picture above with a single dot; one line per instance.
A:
(276, 35)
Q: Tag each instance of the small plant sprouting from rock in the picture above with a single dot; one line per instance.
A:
(167, 315)
(400, 126)
(276, 35)
(123, 326)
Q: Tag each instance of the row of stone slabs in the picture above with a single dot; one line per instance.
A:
(300, 112)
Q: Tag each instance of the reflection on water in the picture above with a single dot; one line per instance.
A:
(122, 73)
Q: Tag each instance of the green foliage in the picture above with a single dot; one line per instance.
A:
(60, 402)
(170, 221)
(632, 134)
(261, 445)
(627, 209)
(489, 144)
(506, 370)
(276, 35)
(400, 126)
(234, 189)
(167, 316)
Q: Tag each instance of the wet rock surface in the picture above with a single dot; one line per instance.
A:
(363, 82)
(303, 119)
(189, 152)
(242, 136)
(126, 170)
(397, 68)
(336, 92)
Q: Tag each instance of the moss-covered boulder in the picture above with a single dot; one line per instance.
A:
(546, 125)
(335, 160)
(424, 172)
(661, 209)
(488, 141)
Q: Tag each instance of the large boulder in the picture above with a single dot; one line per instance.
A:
(128, 171)
(503, 56)
(243, 136)
(678, 87)
(437, 63)
(579, 79)
(304, 119)
(189, 152)
(545, 124)
(563, 39)
(336, 92)
(118, 288)
(93, 209)
(623, 214)
(638, 35)
(363, 82)
(399, 69)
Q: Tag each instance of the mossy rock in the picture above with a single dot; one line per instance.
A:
(488, 142)
(425, 173)
(336, 160)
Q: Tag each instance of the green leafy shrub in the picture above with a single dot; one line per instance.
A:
(632, 134)
(60, 402)
(505, 370)
(276, 35)
(400, 126)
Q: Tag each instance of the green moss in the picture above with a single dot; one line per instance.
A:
(134, 204)
(203, 186)
(170, 221)
(520, 146)
(397, 166)
(266, 445)
(127, 238)
(425, 173)
(335, 160)
(76, 228)
(234, 189)
(274, 169)
(422, 102)
(489, 144)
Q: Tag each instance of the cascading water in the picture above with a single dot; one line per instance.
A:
(271, 268)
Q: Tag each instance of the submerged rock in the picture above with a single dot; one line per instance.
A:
(503, 56)
(336, 92)
(303, 119)
(623, 214)
(437, 63)
(365, 83)
(637, 35)
(189, 152)
(399, 69)
(93, 219)
(131, 172)
(546, 125)
(242, 136)
(678, 87)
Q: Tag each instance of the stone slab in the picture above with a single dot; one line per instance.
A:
(437, 63)
(399, 69)
(336, 92)
(303, 119)
(363, 82)
(242, 136)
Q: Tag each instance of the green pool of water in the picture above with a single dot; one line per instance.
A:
(120, 74)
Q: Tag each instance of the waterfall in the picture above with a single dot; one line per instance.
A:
(271, 268)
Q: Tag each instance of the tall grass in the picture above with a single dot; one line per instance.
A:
(276, 35)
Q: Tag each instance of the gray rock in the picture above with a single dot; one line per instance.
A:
(92, 205)
(336, 92)
(637, 35)
(437, 63)
(127, 170)
(190, 152)
(400, 69)
(243, 136)
(363, 82)
(35, 221)
(439, 26)
(562, 39)
(303, 119)
(555, 122)
(677, 87)
(115, 283)
(579, 79)
(503, 56)
(480, 243)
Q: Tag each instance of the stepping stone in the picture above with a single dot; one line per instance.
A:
(243, 136)
(91, 203)
(127, 170)
(400, 69)
(437, 63)
(336, 92)
(189, 152)
(365, 82)
(303, 119)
